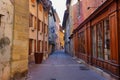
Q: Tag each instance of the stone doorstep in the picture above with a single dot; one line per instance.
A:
(97, 70)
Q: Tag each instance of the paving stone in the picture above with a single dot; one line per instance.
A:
(60, 66)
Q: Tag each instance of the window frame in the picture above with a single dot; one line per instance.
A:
(103, 38)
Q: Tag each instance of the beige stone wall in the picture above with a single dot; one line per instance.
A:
(6, 26)
(19, 63)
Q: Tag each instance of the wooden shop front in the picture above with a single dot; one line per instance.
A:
(97, 39)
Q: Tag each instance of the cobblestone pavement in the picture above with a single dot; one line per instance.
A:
(60, 66)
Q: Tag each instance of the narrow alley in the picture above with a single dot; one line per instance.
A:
(61, 66)
(59, 39)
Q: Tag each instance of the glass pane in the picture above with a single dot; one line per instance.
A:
(106, 39)
(99, 40)
(82, 42)
(94, 41)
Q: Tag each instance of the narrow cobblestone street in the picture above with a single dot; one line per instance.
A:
(60, 66)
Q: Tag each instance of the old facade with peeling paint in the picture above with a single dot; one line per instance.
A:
(14, 22)
(6, 26)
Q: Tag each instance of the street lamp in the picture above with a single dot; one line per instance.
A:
(63, 31)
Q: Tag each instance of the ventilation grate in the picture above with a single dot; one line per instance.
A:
(53, 79)
(83, 68)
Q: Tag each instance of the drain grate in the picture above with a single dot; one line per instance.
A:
(53, 79)
(83, 68)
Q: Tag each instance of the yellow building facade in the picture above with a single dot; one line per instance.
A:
(61, 37)
(38, 29)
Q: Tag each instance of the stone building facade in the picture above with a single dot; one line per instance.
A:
(6, 28)
(14, 22)
(54, 42)
(52, 34)
(67, 25)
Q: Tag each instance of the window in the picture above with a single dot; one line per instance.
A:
(42, 45)
(46, 46)
(31, 20)
(34, 45)
(33, 1)
(81, 43)
(94, 41)
(30, 46)
(78, 7)
(106, 39)
(40, 7)
(38, 46)
(101, 40)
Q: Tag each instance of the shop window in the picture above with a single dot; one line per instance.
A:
(106, 39)
(94, 41)
(100, 40)
(81, 43)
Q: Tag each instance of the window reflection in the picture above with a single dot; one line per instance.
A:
(94, 41)
(81, 42)
(100, 40)
(106, 39)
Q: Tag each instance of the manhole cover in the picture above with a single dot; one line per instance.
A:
(83, 68)
(53, 79)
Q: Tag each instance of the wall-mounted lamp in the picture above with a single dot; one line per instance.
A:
(90, 7)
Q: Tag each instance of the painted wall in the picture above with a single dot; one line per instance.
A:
(86, 7)
(61, 38)
(36, 34)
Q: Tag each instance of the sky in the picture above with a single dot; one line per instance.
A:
(60, 6)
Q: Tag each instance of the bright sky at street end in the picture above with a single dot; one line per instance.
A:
(60, 6)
